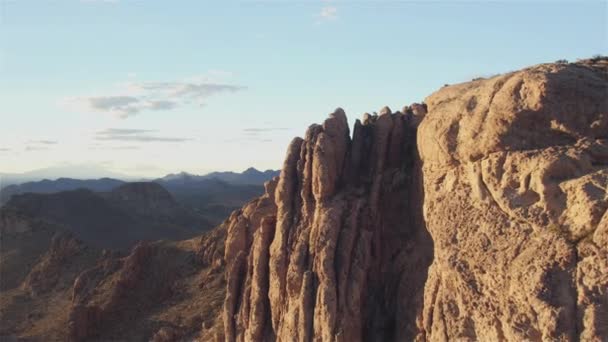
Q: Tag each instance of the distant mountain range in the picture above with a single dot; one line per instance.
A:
(116, 219)
(74, 171)
(212, 196)
(61, 184)
(250, 176)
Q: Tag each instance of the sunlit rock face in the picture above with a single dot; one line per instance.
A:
(499, 185)
(515, 175)
(326, 261)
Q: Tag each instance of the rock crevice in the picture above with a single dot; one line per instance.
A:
(344, 211)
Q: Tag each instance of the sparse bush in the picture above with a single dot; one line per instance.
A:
(561, 61)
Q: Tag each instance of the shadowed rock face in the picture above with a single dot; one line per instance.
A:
(324, 260)
(508, 175)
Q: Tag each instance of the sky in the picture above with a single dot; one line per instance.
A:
(145, 88)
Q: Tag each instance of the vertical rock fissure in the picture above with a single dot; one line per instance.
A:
(345, 230)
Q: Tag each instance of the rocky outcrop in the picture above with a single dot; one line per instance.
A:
(515, 179)
(145, 198)
(508, 175)
(178, 285)
(324, 260)
(53, 264)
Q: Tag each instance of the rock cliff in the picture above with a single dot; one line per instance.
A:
(499, 185)
(515, 177)
(324, 259)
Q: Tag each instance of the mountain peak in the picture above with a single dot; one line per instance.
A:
(251, 170)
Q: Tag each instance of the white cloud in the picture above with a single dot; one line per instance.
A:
(43, 142)
(134, 135)
(133, 97)
(30, 148)
(328, 13)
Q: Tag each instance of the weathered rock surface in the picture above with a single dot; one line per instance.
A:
(515, 178)
(46, 274)
(162, 291)
(511, 183)
(324, 259)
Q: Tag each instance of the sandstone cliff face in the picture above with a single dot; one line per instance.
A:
(515, 178)
(508, 175)
(325, 258)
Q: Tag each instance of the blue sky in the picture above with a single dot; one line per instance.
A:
(151, 87)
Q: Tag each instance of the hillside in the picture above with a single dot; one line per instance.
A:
(60, 184)
(117, 219)
(213, 196)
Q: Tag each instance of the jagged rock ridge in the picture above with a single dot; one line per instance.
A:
(324, 261)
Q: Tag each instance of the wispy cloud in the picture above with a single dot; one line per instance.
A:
(43, 142)
(328, 13)
(257, 134)
(124, 148)
(134, 135)
(134, 97)
(39, 145)
(31, 148)
(100, 146)
(257, 130)
(251, 139)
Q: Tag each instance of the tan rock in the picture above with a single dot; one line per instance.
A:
(511, 184)
(342, 219)
(515, 179)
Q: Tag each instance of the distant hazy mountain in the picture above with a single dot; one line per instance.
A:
(216, 194)
(61, 184)
(75, 171)
(115, 219)
(249, 176)
(213, 196)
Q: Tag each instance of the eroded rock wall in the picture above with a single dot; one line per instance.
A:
(327, 260)
(515, 178)
(508, 175)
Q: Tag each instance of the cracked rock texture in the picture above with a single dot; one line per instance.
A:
(322, 255)
(477, 216)
(515, 177)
